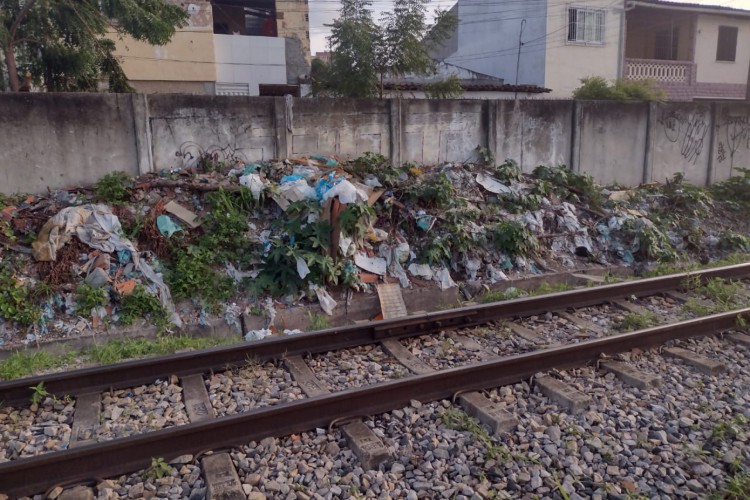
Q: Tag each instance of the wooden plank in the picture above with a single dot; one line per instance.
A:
(305, 377)
(391, 301)
(396, 349)
(86, 419)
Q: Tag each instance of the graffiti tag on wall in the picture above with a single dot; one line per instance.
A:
(687, 129)
(733, 131)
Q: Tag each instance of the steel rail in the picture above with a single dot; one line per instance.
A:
(28, 476)
(147, 370)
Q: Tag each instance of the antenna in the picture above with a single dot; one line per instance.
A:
(518, 61)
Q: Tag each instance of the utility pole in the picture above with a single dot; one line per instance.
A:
(518, 61)
(747, 89)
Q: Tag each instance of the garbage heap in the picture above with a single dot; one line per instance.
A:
(220, 239)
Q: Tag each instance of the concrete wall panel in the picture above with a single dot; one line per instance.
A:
(534, 132)
(64, 140)
(447, 130)
(613, 141)
(342, 127)
(232, 128)
(681, 138)
(732, 140)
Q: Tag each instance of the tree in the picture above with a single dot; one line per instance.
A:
(64, 44)
(364, 53)
(319, 76)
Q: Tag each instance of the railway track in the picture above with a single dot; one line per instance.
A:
(587, 341)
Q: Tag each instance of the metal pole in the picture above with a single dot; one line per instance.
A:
(518, 61)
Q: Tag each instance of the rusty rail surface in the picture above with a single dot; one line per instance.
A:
(32, 475)
(142, 371)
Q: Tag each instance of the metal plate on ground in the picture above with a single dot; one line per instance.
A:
(194, 394)
(86, 419)
(222, 481)
(391, 301)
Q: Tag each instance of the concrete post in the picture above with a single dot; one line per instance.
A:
(648, 157)
(575, 136)
(395, 131)
(490, 121)
(284, 127)
(711, 140)
(142, 129)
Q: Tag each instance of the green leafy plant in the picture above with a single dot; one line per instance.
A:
(598, 88)
(735, 190)
(88, 298)
(39, 392)
(435, 192)
(436, 252)
(567, 185)
(513, 238)
(508, 171)
(318, 322)
(633, 321)
(354, 219)
(114, 188)
(159, 468)
(141, 304)
(377, 165)
(190, 272)
(15, 301)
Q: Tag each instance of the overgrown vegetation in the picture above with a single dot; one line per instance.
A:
(15, 303)
(141, 304)
(633, 321)
(723, 296)
(598, 88)
(513, 238)
(89, 298)
(114, 188)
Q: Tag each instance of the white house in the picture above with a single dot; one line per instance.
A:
(693, 51)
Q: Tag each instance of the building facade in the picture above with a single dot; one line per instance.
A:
(229, 47)
(692, 51)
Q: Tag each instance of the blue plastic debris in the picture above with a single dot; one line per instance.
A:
(167, 226)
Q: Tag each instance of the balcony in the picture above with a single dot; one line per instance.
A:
(661, 71)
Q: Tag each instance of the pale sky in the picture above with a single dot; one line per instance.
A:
(325, 11)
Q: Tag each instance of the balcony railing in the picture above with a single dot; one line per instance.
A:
(674, 72)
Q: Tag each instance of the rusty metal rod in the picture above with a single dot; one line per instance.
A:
(31, 475)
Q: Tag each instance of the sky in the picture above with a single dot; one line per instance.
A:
(325, 11)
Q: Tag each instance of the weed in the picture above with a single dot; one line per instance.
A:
(513, 238)
(437, 252)
(225, 229)
(725, 431)
(435, 192)
(191, 271)
(633, 321)
(376, 164)
(735, 190)
(318, 322)
(546, 288)
(567, 185)
(141, 304)
(508, 171)
(354, 219)
(731, 241)
(118, 350)
(23, 363)
(736, 488)
(484, 156)
(497, 296)
(159, 468)
(724, 295)
(38, 393)
(114, 188)
(653, 244)
(15, 303)
(88, 298)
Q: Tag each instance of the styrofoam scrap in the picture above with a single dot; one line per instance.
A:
(258, 334)
(421, 271)
(472, 266)
(375, 265)
(326, 301)
(492, 185)
(444, 280)
(292, 332)
(302, 269)
(187, 216)
(494, 275)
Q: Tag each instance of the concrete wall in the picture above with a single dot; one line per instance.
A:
(64, 140)
(60, 140)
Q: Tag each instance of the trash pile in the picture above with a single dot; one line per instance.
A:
(228, 239)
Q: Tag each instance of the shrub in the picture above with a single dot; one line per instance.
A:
(597, 88)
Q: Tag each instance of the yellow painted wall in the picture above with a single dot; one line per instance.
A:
(188, 57)
(709, 69)
(566, 63)
(293, 23)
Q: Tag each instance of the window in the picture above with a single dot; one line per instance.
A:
(727, 46)
(585, 25)
(666, 44)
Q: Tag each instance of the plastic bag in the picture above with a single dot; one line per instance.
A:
(254, 183)
(167, 226)
(326, 301)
